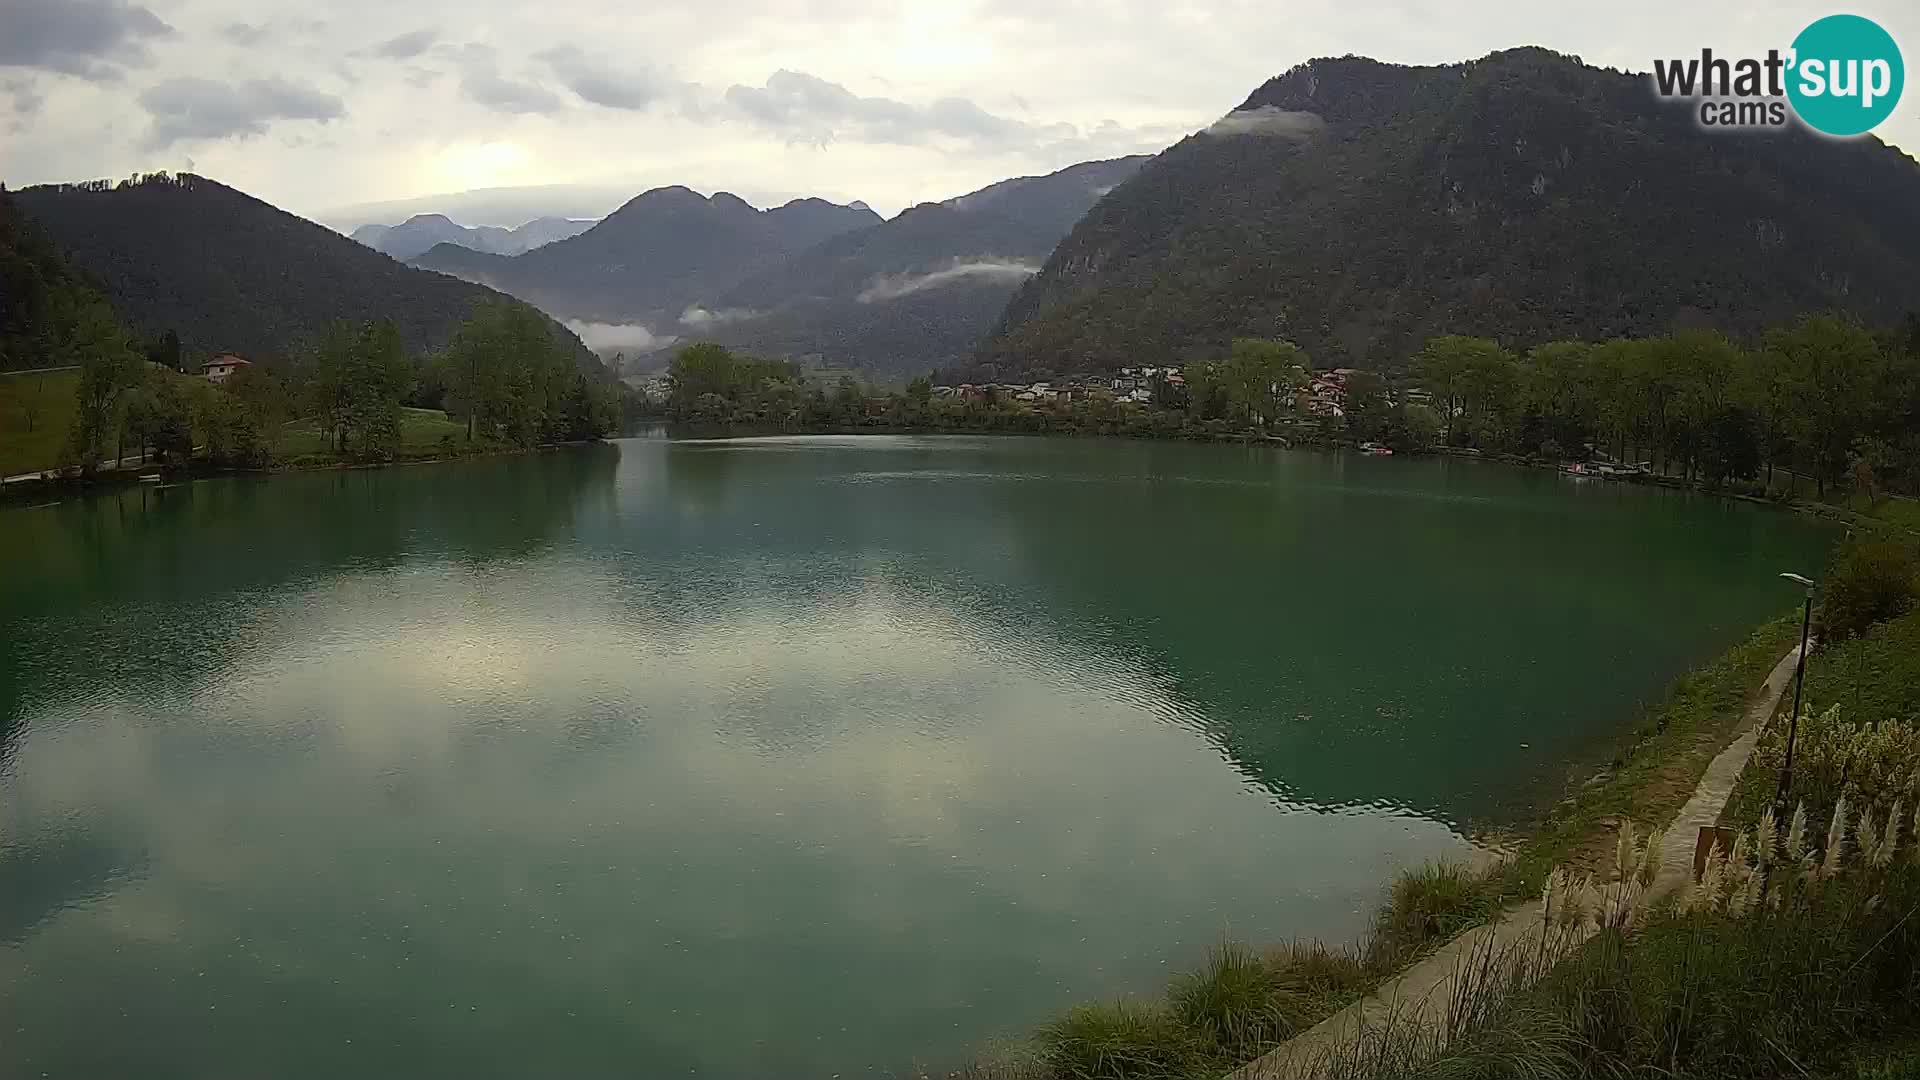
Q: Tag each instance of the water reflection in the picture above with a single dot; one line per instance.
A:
(792, 758)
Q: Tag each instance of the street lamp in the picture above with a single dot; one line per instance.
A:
(1799, 681)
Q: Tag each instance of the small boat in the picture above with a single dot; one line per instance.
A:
(1376, 448)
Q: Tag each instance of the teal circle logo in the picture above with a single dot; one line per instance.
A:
(1846, 75)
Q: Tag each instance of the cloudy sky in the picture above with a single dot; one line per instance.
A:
(319, 106)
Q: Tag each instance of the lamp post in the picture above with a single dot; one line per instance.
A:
(1799, 681)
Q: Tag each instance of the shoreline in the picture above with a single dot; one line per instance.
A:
(60, 487)
(1664, 758)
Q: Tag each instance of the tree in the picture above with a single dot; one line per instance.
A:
(1870, 582)
(355, 380)
(1730, 447)
(1207, 395)
(377, 377)
(1257, 375)
(1413, 429)
(108, 366)
(1366, 405)
(168, 416)
(1835, 364)
(165, 351)
(1464, 374)
(1557, 390)
(234, 435)
(509, 375)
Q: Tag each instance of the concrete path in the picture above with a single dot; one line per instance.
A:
(1716, 785)
(1424, 991)
(128, 462)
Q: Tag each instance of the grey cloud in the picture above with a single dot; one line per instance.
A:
(244, 33)
(1268, 120)
(602, 83)
(482, 82)
(982, 268)
(194, 108)
(88, 38)
(406, 46)
(807, 108)
(23, 101)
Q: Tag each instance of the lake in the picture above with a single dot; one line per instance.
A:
(787, 757)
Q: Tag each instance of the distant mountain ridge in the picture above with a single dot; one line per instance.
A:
(665, 250)
(419, 233)
(1358, 207)
(230, 273)
(919, 291)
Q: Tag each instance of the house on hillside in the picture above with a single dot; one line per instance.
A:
(221, 368)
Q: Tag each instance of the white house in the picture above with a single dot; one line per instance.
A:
(221, 368)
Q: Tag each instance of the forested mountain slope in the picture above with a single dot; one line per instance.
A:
(230, 273)
(42, 298)
(1357, 207)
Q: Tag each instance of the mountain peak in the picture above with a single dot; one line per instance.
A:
(673, 195)
(1448, 200)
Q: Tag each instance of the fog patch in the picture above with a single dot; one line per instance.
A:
(894, 286)
(700, 317)
(1267, 120)
(619, 337)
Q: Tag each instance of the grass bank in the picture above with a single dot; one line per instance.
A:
(1862, 704)
(1246, 1001)
(36, 412)
(423, 433)
(1796, 954)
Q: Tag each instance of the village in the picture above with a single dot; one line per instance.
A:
(1323, 395)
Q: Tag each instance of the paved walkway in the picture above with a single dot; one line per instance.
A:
(1424, 991)
(128, 462)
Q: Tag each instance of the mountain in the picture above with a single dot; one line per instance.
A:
(1358, 207)
(1054, 203)
(419, 233)
(230, 273)
(565, 201)
(663, 251)
(44, 296)
(918, 291)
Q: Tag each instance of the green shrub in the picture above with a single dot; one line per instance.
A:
(1120, 1041)
(1320, 971)
(1901, 1064)
(1237, 1003)
(1872, 764)
(1428, 906)
(1870, 582)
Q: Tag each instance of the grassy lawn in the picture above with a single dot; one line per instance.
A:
(422, 431)
(1895, 510)
(44, 402)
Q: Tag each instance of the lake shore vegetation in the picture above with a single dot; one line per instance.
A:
(356, 397)
(1823, 409)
